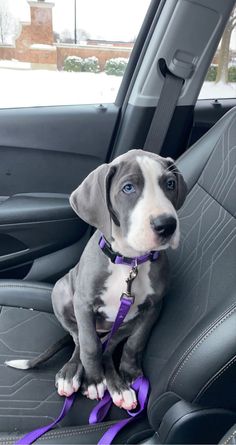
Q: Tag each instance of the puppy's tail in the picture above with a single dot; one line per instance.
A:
(32, 363)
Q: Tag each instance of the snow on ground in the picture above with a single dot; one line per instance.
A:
(219, 90)
(26, 88)
(43, 46)
(15, 65)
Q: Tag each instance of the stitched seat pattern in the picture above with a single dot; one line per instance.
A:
(229, 437)
(196, 335)
(31, 393)
(28, 398)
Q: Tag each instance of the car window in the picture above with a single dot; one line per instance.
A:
(65, 51)
(220, 80)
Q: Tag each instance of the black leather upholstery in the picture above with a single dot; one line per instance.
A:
(26, 294)
(230, 437)
(87, 434)
(192, 350)
(28, 399)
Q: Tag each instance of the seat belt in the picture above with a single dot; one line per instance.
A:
(175, 75)
(163, 114)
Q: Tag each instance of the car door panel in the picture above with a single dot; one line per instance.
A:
(51, 149)
(45, 153)
(33, 225)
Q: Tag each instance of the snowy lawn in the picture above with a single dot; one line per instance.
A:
(23, 87)
(26, 88)
(212, 90)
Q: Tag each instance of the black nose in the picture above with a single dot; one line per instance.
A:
(164, 225)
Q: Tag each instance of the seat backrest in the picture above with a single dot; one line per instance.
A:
(192, 350)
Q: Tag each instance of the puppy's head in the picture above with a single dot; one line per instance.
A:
(134, 201)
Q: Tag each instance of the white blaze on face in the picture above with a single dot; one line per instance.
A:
(152, 203)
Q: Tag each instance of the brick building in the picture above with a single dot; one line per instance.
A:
(35, 43)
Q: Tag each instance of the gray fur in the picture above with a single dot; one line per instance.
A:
(125, 172)
(79, 298)
(177, 197)
(89, 200)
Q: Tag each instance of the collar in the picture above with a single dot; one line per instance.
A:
(116, 258)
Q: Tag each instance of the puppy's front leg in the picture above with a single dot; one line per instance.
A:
(90, 354)
(137, 332)
(68, 379)
(122, 395)
(131, 359)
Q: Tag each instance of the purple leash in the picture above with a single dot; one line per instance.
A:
(141, 385)
(30, 438)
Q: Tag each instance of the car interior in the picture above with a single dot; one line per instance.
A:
(45, 152)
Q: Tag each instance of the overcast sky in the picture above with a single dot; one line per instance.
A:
(108, 19)
(105, 19)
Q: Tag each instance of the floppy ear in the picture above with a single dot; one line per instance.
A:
(182, 189)
(90, 199)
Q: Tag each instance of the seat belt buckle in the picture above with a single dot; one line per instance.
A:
(182, 64)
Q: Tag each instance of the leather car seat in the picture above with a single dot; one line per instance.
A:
(230, 437)
(190, 359)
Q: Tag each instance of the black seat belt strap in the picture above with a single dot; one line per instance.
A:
(163, 114)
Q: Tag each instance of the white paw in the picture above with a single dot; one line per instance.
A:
(125, 399)
(67, 387)
(95, 392)
(76, 383)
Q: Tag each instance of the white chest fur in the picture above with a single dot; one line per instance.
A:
(115, 285)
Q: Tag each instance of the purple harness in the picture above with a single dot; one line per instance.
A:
(141, 384)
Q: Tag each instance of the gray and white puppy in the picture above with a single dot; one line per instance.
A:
(133, 202)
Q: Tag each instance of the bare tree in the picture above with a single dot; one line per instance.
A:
(8, 24)
(82, 34)
(66, 36)
(56, 36)
(224, 52)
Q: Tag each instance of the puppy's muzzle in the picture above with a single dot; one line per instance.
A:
(164, 225)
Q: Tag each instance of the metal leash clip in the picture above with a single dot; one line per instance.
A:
(132, 275)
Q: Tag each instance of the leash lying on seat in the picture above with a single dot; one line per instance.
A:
(141, 387)
(141, 384)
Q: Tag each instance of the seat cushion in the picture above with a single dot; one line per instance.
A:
(192, 349)
(88, 434)
(26, 294)
(230, 437)
(28, 398)
(74, 435)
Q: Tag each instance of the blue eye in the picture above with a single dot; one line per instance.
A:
(170, 184)
(128, 188)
